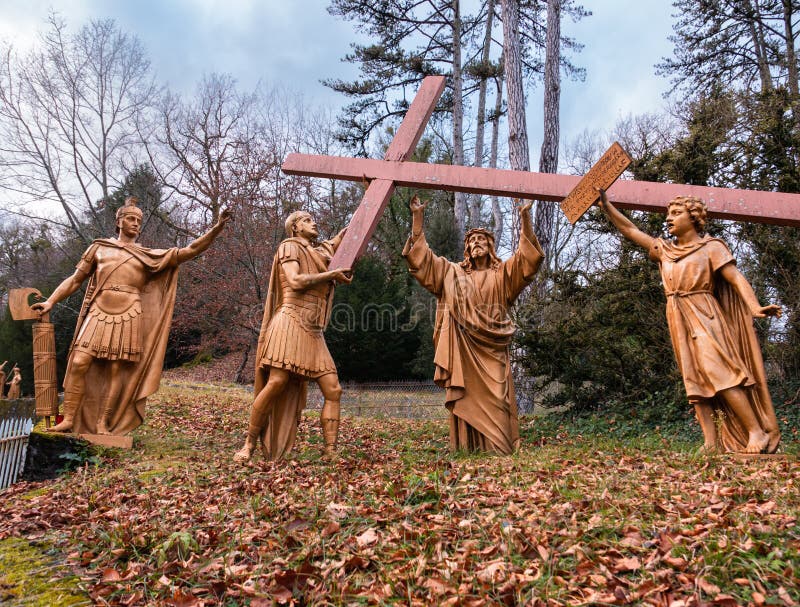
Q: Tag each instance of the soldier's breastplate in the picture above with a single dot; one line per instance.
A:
(120, 284)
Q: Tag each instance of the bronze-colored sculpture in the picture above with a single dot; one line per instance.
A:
(45, 383)
(473, 329)
(14, 384)
(710, 307)
(118, 349)
(291, 346)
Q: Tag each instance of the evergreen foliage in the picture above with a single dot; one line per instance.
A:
(371, 336)
(598, 337)
(158, 228)
(16, 346)
(382, 323)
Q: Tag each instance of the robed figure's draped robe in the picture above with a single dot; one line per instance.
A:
(291, 338)
(106, 333)
(712, 332)
(471, 338)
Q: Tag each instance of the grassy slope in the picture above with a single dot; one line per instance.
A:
(573, 518)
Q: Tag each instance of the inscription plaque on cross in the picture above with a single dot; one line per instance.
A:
(394, 170)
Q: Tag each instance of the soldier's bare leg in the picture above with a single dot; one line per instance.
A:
(262, 405)
(74, 389)
(329, 418)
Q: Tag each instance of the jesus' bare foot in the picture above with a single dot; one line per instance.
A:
(102, 428)
(757, 441)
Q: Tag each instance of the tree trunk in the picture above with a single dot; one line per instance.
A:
(791, 60)
(759, 46)
(458, 117)
(518, 152)
(548, 161)
(239, 377)
(497, 213)
(475, 204)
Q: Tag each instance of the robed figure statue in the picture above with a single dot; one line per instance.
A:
(473, 329)
(710, 310)
(14, 384)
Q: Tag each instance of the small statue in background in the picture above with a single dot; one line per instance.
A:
(121, 336)
(291, 345)
(14, 384)
(3, 378)
(710, 310)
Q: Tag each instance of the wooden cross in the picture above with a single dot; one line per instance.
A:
(384, 175)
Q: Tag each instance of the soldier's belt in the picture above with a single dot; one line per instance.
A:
(120, 288)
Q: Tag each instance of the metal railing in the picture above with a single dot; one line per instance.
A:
(403, 398)
(16, 422)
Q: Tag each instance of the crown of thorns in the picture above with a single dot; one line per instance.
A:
(483, 231)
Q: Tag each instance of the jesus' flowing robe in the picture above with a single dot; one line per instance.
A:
(471, 337)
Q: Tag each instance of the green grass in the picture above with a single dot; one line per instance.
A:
(31, 574)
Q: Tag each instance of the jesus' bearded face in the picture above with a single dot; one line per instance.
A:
(478, 245)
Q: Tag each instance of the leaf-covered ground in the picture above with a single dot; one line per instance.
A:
(398, 520)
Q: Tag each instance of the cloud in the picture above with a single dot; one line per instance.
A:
(296, 43)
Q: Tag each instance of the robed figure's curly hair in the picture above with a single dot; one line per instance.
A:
(697, 209)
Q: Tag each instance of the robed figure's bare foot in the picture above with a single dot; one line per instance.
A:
(757, 441)
(245, 453)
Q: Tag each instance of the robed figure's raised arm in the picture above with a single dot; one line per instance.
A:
(520, 268)
(428, 268)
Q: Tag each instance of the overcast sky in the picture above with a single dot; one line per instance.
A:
(296, 43)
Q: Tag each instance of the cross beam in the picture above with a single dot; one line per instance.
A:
(394, 170)
(380, 189)
(726, 203)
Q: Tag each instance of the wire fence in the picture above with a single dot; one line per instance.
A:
(403, 399)
(390, 398)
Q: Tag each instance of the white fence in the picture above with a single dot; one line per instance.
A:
(16, 423)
